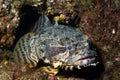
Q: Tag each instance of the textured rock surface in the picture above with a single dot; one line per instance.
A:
(99, 20)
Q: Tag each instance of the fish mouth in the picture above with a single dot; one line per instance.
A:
(80, 58)
(82, 61)
(85, 58)
(87, 61)
(78, 62)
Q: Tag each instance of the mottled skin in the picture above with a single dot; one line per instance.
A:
(57, 45)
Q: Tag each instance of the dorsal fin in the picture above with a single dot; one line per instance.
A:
(42, 22)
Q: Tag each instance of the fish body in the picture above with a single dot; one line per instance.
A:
(22, 51)
(57, 45)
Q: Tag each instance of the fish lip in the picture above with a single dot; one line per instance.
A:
(74, 59)
(93, 62)
(87, 57)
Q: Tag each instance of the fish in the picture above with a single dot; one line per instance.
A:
(60, 46)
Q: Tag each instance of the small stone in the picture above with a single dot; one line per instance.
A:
(3, 39)
(113, 31)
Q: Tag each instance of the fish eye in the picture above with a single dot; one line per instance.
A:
(69, 47)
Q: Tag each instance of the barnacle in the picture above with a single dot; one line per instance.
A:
(5, 62)
(56, 18)
(69, 5)
(62, 16)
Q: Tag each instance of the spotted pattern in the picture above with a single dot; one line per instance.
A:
(57, 45)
